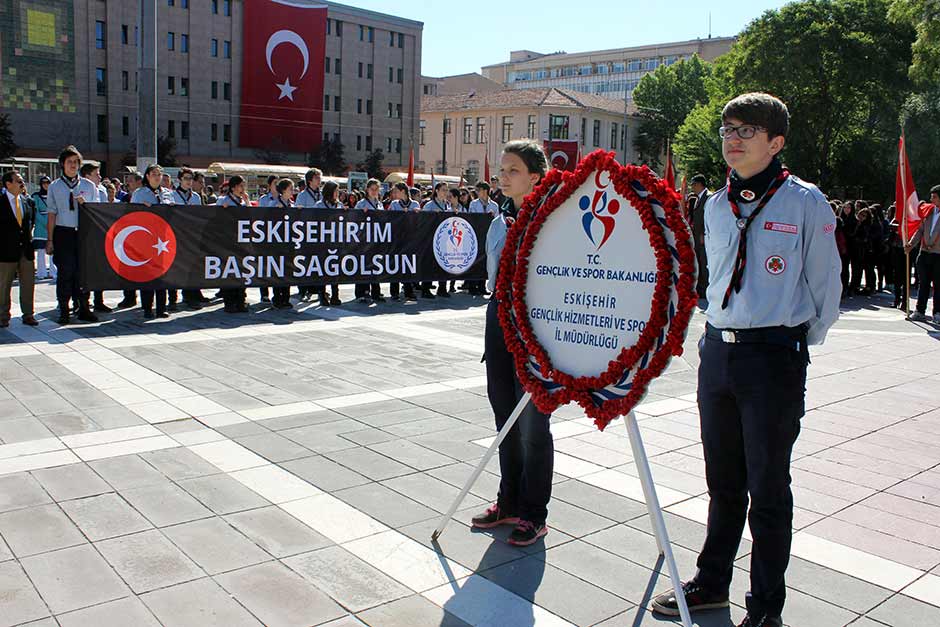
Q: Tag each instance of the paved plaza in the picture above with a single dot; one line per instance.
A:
(287, 468)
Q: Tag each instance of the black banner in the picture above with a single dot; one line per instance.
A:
(134, 246)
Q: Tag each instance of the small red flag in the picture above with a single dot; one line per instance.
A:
(906, 202)
(486, 168)
(670, 173)
(411, 167)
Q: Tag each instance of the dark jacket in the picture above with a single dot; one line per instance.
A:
(697, 211)
(16, 241)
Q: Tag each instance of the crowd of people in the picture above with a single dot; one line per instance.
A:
(46, 232)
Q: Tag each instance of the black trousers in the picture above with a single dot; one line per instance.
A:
(701, 283)
(281, 295)
(65, 257)
(928, 273)
(527, 455)
(147, 298)
(233, 295)
(750, 399)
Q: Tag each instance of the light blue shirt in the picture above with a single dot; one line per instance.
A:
(793, 268)
(435, 205)
(228, 201)
(179, 198)
(322, 205)
(268, 200)
(495, 241)
(477, 207)
(59, 201)
(367, 205)
(308, 198)
(396, 205)
(146, 195)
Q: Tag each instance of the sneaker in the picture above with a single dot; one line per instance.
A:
(493, 517)
(696, 597)
(917, 317)
(936, 318)
(162, 314)
(764, 621)
(526, 533)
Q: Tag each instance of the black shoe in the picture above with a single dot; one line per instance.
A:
(379, 298)
(335, 301)
(428, 295)
(172, 307)
(148, 314)
(265, 299)
(241, 308)
(195, 305)
(526, 533)
(162, 314)
(324, 301)
(443, 294)
(696, 597)
(205, 299)
(231, 309)
(102, 308)
(64, 317)
(493, 517)
(126, 304)
(85, 315)
(763, 621)
(396, 297)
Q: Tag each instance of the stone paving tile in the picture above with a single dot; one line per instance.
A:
(20, 490)
(409, 612)
(367, 462)
(121, 613)
(385, 505)
(128, 471)
(105, 516)
(215, 546)
(147, 561)
(19, 602)
(429, 491)
(179, 463)
(71, 482)
(165, 503)
(38, 529)
(902, 610)
(277, 532)
(73, 578)
(274, 447)
(222, 494)
(200, 603)
(324, 473)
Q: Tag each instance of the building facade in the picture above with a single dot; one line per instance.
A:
(70, 76)
(458, 132)
(609, 73)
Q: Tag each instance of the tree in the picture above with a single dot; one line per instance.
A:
(924, 17)
(7, 146)
(329, 157)
(665, 98)
(844, 105)
(373, 164)
(270, 156)
(166, 151)
(921, 119)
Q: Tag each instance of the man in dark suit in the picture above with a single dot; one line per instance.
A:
(697, 212)
(16, 249)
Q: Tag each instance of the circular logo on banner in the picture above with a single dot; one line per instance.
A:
(775, 264)
(140, 246)
(598, 295)
(455, 245)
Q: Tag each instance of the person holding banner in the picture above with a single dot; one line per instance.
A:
(774, 288)
(401, 201)
(149, 194)
(526, 456)
(310, 196)
(370, 203)
(927, 236)
(270, 198)
(284, 189)
(234, 297)
(184, 194)
(329, 200)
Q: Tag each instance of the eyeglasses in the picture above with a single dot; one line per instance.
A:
(745, 131)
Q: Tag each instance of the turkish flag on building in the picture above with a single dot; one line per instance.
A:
(282, 76)
(562, 153)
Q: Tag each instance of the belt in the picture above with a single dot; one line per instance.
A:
(789, 337)
(67, 228)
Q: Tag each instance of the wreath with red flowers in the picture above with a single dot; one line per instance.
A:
(674, 297)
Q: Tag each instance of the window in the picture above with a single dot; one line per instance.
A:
(226, 91)
(597, 133)
(184, 87)
(184, 130)
(125, 126)
(401, 40)
(136, 36)
(467, 130)
(336, 103)
(124, 34)
(447, 126)
(584, 131)
(125, 80)
(326, 102)
(100, 36)
(360, 69)
(214, 134)
(171, 85)
(401, 75)
(215, 90)
(329, 27)
(391, 75)
(585, 70)
(101, 81)
(337, 66)
(391, 39)
(371, 34)
(422, 124)
(335, 138)
(369, 71)
(362, 33)
(389, 109)
(359, 105)
(530, 131)
(369, 107)
(507, 129)
(227, 132)
(184, 43)
(215, 11)
(369, 142)
(481, 130)
(388, 144)
(171, 128)
(558, 127)
(227, 49)
(185, 4)
(103, 129)
(326, 65)
(214, 48)
(398, 110)
(170, 3)
(339, 28)
(398, 145)
(171, 41)
(226, 10)
(613, 135)
(358, 142)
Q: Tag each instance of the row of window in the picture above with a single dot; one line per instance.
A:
(171, 128)
(633, 65)
(366, 33)
(506, 129)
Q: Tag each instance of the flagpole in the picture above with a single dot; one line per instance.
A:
(902, 164)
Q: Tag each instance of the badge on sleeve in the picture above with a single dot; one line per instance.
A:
(775, 264)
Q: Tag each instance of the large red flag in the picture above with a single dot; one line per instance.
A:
(411, 167)
(905, 201)
(282, 76)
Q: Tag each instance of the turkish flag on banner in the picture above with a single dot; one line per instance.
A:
(282, 76)
(562, 153)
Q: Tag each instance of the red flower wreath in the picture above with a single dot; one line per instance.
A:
(510, 291)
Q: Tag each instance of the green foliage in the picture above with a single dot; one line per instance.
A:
(329, 158)
(924, 17)
(665, 97)
(166, 151)
(373, 164)
(8, 147)
(921, 119)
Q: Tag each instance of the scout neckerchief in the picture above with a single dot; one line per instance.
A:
(187, 196)
(283, 204)
(71, 186)
(156, 191)
(737, 277)
(237, 201)
(438, 205)
(375, 206)
(312, 197)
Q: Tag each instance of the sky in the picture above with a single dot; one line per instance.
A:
(461, 36)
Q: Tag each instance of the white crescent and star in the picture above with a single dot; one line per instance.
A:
(287, 37)
(162, 246)
(560, 153)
